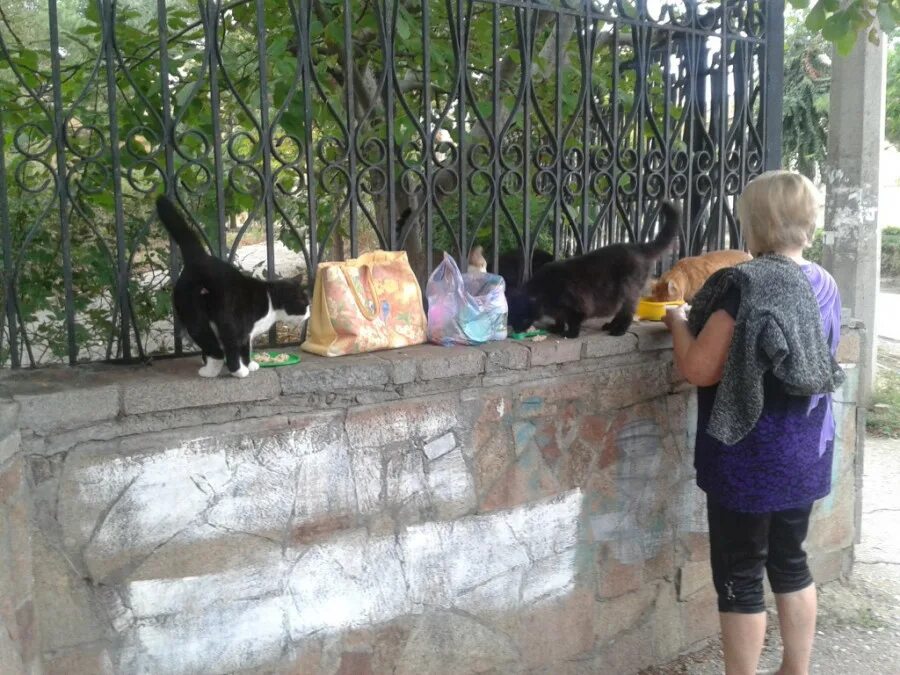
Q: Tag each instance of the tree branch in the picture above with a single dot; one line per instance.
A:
(9, 28)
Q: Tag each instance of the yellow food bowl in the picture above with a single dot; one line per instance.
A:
(654, 311)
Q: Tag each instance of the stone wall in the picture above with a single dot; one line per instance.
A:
(510, 508)
(19, 650)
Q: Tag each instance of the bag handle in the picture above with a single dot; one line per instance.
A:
(366, 280)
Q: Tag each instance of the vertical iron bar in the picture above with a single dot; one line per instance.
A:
(495, 125)
(351, 128)
(306, 66)
(667, 132)
(265, 137)
(773, 85)
(642, 72)
(557, 132)
(527, 38)
(109, 26)
(212, 39)
(587, 82)
(461, 143)
(8, 275)
(667, 119)
(746, 63)
(723, 134)
(389, 115)
(265, 140)
(697, 83)
(62, 184)
(614, 135)
(168, 138)
(429, 136)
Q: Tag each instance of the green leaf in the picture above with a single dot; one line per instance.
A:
(816, 18)
(286, 68)
(182, 95)
(278, 46)
(244, 14)
(92, 11)
(846, 43)
(293, 121)
(28, 58)
(886, 17)
(800, 4)
(335, 31)
(836, 27)
(402, 28)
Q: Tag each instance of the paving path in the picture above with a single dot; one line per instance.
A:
(887, 320)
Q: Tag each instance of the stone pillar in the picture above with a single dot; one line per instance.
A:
(852, 250)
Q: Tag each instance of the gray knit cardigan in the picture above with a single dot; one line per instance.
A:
(778, 328)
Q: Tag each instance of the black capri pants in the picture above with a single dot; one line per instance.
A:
(742, 545)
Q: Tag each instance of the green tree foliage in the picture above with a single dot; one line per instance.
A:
(892, 95)
(807, 82)
(841, 22)
(890, 252)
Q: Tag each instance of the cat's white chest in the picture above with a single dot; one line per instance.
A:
(264, 323)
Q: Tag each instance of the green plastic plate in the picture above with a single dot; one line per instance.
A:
(527, 334)
(289, 361)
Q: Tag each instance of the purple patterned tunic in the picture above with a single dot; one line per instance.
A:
(785, 462)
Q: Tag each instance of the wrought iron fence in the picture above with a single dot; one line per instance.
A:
(303, 130)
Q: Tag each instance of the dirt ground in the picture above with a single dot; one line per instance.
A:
(859, 620)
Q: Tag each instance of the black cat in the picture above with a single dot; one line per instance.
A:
(510, 266)
(605, 282)
(222, 308)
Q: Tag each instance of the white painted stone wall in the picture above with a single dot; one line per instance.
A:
(515, 508)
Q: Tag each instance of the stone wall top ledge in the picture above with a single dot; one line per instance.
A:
(63, 398)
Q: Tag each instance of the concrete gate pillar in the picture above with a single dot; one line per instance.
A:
(852, 247)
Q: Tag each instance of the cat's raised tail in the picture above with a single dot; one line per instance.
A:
(189, 243)
(670, 224)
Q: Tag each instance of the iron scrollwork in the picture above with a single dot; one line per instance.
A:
(323, 128)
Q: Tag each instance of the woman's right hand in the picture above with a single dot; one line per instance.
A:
(675, 315)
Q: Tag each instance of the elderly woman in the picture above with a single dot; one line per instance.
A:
(759, 345)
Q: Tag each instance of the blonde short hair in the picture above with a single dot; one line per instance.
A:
(778, 210)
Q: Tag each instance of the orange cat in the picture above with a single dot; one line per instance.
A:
(477, 263)
(687, 276)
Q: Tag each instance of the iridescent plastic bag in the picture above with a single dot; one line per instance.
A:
(465, 309)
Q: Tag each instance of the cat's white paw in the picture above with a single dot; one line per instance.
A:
(243, 371)
(211, 368)
(253, 365)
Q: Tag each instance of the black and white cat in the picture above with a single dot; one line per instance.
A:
(222, 308)
(605, 282)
